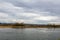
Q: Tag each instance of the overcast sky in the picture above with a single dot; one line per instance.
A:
(30, 11)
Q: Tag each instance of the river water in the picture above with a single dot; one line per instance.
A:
(30, 34)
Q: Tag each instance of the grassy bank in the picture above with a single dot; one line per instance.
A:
(29, 26)
(16, 25)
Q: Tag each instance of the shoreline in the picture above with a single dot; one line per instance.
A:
(25, 27)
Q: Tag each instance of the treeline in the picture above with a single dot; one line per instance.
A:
(22, 25)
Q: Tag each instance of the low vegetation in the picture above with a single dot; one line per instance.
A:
(22, 25)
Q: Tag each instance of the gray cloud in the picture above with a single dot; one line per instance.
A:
(36, 11)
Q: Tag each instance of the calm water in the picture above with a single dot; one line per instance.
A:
(29, 34)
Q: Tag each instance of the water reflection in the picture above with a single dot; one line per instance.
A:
(30, 34)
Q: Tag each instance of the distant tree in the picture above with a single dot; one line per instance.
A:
(54, 26)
